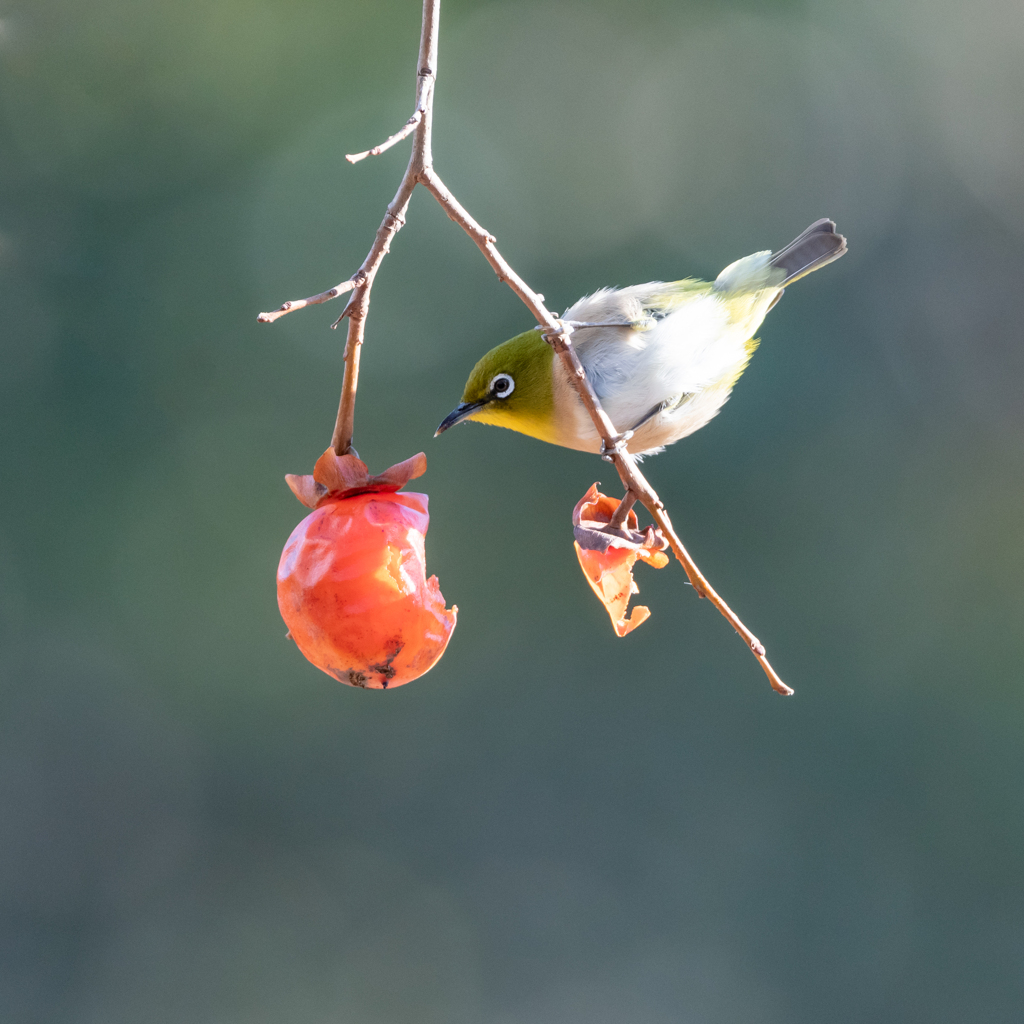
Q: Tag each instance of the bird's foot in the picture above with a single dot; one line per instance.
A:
(617, 447)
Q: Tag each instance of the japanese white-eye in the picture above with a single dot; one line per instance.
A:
(663, 360)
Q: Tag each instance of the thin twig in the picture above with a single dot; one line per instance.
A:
(403, 132)
(356, 311)
(625, 506)
(557, 332)
(313, 300)
(359, 304)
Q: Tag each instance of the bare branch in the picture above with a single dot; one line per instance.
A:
(557, 332)
(426, 76)
(362, 280)
(704, 589)
(357, 308)
(404, 132)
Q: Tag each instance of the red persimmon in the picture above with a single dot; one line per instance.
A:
(352, 584)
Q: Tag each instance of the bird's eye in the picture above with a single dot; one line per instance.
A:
(502, 386)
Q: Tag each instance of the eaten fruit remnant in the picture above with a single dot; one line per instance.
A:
(607, 556)
(352, 584)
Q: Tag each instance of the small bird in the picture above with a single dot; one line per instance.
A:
(662, 357)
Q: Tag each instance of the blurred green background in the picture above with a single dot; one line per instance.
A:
(554, 825)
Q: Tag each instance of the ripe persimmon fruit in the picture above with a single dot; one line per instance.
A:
(352, 584)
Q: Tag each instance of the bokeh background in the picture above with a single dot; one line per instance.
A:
(554, 825)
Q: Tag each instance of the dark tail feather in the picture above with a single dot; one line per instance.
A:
(811, 249)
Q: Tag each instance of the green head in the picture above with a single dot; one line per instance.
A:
(511, 387)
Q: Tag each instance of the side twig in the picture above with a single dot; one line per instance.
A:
(557, 332)
(625, 506)
(403, 132)
(313, 300)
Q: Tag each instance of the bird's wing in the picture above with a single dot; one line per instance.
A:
(639, 306)
(665, 348)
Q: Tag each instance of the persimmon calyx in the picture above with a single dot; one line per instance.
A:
(607, 556)
(341, 476)
(590, 526)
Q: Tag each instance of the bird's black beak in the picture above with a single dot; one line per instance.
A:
(459, 413)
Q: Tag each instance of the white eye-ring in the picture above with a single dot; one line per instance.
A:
(502, 386)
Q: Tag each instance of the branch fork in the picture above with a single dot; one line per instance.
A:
(420, 171)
